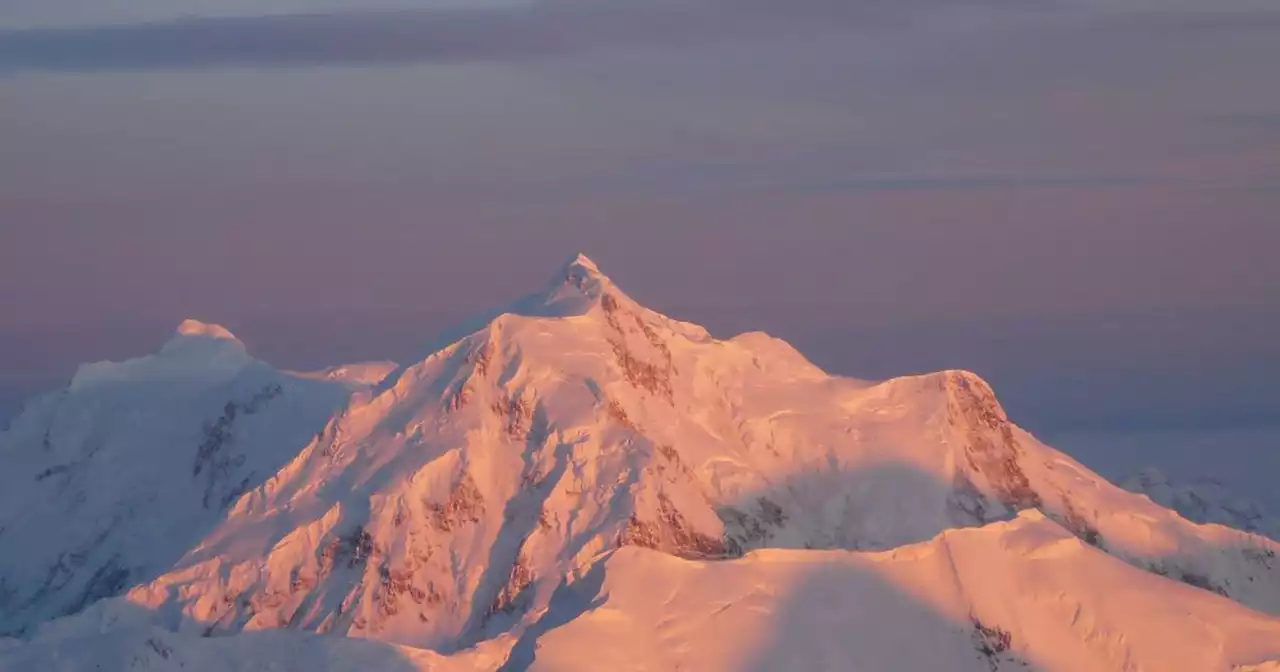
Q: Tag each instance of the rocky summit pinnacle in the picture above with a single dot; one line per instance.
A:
(585, 262)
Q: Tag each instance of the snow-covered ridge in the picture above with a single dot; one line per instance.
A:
(453, 502)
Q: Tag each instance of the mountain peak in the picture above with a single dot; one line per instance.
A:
(584, 262)
(578, 288)
(583, 273)
(197, 340)
(197, 352)
(196, 328)
(448, 503)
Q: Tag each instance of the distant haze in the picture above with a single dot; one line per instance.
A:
(1078, 200)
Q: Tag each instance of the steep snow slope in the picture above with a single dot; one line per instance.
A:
(109, 482)
(445, 506)
(1019, 595)
(1204, 501)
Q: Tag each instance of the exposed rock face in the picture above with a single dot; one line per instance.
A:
(216, 457)
(991, 451)
(465, 505)
(671, 533)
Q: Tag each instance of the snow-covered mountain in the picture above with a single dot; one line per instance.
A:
(111, 481)
(489, 502)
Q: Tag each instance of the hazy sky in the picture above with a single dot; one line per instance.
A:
(1079, 200)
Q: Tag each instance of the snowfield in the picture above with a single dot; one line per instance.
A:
(583, 483)
(1024, 594)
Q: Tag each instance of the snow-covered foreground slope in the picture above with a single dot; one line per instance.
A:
(1010, 596)
(445, 505)
(1018, 595)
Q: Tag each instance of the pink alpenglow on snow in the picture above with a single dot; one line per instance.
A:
(583, 483)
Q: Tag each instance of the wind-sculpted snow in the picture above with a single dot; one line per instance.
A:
(452, 502)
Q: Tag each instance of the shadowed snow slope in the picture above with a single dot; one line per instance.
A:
(108, 483)
(456, 499)
(1205, 501)
(122, 638)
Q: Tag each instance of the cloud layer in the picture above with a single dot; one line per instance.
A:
(543, 29)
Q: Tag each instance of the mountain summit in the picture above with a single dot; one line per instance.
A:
(197, 354)
(196, 329)
(571, 461)
(577, 288)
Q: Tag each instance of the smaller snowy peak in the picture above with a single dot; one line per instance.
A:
(197, 352)
(190, 327)
(196, 340)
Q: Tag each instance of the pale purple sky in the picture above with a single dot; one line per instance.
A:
(1079, 200)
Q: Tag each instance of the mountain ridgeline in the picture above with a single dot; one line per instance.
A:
(584, 473)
